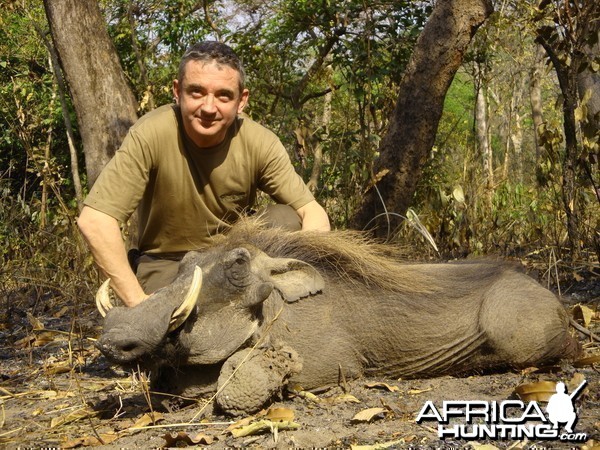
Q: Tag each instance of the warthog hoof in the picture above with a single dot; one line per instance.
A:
(260, 376)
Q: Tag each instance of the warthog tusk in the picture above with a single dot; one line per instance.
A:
(189, 302)
(103, 302)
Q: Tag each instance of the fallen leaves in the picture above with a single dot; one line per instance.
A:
(583, 314)
(540, 391)
(182, 438)
(91, 441)
(272, 421)
(382, 385)
(107, 437)
(72, 416)
(326, 401)
(587, 361)
(367, 415)
(263, 426)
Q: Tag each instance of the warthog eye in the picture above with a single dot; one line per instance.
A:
(237, 267)
(128, 347)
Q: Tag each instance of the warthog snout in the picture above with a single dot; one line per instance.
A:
(121, 351)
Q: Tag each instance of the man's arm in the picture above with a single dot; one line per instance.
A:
(104, 239)
(313, 217)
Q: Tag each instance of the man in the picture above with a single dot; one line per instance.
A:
(192, 168)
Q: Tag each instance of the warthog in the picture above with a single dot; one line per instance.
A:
(265, 307)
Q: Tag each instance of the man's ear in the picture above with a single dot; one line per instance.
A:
(176, 91)
(243, 100)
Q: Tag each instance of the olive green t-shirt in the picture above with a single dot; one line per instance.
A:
(185, 193)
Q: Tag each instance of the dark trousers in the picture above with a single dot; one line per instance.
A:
(155, 272)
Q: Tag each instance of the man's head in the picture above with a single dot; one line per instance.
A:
(210, 91)
(212, 51)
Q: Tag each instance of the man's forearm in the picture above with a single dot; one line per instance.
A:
(314, 217)
(104, 239)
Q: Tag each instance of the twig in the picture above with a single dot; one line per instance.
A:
(584, 330)
(10, 432)
(177, 425)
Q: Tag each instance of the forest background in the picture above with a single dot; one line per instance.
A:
(513, 172)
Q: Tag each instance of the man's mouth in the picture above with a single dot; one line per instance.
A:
(207, 120)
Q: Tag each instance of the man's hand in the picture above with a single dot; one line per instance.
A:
(313, 217)
(104, 239)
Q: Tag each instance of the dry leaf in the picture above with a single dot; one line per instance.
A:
(240, 423)
(346, 398)
(529, 370)
(24, 342)
(583, 314)
(176, 440)
(145, 420)
(388, 444)
(91, 441)
(382, 173)
(381, 385)
(367, 415)
(418, 391)
(458, 194)
(477, 446)
(72, 417)
(55, 369)
(35, 340)
(62, 312)
(587, 361)
(44, 395)
(280, 414)
(308, 396)
(539, 392)
(35, 323)
(575, 382)
(263, 426)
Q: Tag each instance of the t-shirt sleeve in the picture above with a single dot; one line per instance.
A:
(121, 184)
(279, 179)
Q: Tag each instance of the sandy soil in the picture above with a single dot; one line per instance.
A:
(56, 390)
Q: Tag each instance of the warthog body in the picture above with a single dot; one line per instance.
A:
(319, 305)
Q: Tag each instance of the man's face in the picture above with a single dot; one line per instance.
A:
(210, 99)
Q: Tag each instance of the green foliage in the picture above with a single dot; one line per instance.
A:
(33, 147)
(330, 70)
(524, 211)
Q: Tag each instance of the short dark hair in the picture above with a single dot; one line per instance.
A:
(218, 52)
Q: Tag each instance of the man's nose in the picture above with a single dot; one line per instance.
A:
(208, 106)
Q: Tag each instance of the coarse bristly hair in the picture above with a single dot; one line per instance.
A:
(348, 254)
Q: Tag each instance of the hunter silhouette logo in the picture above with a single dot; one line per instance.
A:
(509, 419)
(560, 406)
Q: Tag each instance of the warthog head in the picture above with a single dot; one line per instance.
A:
(209, 311)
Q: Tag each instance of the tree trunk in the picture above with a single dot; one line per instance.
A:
(535, 97)
(588, 84)
(482, 129)
(437, 56)
(313, 182)
(62, 95)
(104, 103)
(567, 79)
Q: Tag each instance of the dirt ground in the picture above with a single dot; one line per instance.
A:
(56, 390)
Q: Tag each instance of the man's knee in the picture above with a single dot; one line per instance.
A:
(154, 273)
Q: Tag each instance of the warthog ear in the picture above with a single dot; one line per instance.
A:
(295, 279)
